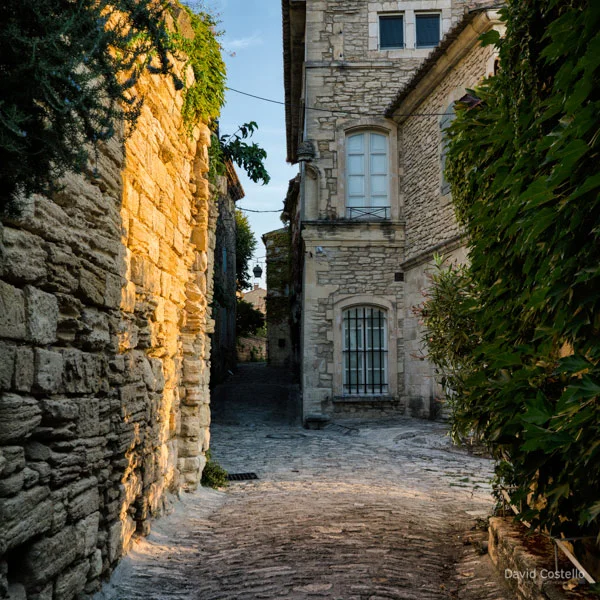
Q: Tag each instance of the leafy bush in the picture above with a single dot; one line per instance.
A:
(66, 75)
(248, 320)
(245, 246)
(450, 336)
(523, 165)
(213, 475)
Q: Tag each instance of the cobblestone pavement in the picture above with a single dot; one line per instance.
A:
(357, 511)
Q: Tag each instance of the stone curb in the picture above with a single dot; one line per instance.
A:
(523, 558)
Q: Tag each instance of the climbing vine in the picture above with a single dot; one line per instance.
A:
(67, 69)
(523, 165)
(205, 95)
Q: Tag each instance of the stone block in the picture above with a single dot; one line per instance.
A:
(84, 504)
(71, 582)
(7, 365)
(88, 530)
(95, 333)
(48, 371)
(12, 459)
(24, 516)
(49, 556)
(24, 369)
(19, 416)
(12, 485)
(16, 591)
(25, 257)
(83, 372)
(92, 287)
(88, 424)
(12, 312)
(59, 409)
(41, 310)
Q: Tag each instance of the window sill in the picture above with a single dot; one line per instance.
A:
(363, 398)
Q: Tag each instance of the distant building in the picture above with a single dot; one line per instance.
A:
(257, 297)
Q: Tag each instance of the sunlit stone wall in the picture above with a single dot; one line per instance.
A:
(104, 350)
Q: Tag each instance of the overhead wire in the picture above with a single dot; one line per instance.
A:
(333, 110)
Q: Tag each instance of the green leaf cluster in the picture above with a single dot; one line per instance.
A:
(245, 246)
(523, 166)
(205, 95)
(67, 69)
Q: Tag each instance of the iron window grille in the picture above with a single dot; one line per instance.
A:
(365, 351)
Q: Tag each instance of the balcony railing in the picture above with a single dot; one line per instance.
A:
(368, 213)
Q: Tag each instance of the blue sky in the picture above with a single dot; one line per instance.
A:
(253, 53)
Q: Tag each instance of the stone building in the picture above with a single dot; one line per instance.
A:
(257, 296)
(223, 347)
(279, 334)
(372, 208)
(104, 352)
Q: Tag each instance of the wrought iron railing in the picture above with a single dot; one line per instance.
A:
(368, 213)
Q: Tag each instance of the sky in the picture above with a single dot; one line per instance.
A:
(252, 44)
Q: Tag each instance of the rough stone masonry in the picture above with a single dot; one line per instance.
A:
(104, 350)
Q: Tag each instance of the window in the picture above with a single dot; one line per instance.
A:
(427, 29)
(445, 122)
(391, 31)
(365, 351)
(367, 176)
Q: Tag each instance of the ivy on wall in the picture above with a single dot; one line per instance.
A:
(66, 73)
(523, 165)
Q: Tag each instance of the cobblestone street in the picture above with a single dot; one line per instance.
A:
(359, 510)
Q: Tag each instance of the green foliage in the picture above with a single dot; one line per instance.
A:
(450, 336)
(523, 165)
(249, 157)
(213, 475)
(248, 320)
(205, 96)
(232, 148)
(245, 246)
(66, 70)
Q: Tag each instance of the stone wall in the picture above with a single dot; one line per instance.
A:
(251, 348)
(431, 225)
(104, 352)
(223, 347)
(279, 275)
(345, 74)
(351, 264)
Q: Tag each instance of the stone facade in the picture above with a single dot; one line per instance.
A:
(279, 333)
(223, 347)
(460, 64)
(104, 353)
(357, 257)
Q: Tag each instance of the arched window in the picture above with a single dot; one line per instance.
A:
(367, 166)
(365, 351)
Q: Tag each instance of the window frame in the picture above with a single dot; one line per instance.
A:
(423, 13)
(445, 121)
(391, 15)
(363, 354)
(368, 209)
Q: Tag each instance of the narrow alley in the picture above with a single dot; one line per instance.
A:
(358, 510)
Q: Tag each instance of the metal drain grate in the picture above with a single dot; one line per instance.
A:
(241, 476)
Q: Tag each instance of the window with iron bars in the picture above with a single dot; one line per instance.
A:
(365, 351)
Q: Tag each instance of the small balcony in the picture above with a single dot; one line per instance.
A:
(368, 213)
